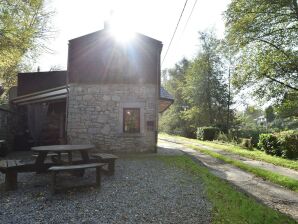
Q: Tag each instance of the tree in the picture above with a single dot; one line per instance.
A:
(205, 89)
(269, 114)
(263, 36)
(171, 120)
(24, 26)
(288, 107)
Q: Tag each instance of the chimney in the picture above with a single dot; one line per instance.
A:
(107, 25)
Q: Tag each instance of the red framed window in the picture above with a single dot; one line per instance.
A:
(131, 120)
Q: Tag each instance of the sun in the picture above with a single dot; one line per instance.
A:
(121, 27)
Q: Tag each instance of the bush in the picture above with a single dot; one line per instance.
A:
(222, 137)
(246, 143)
(207, 133)
(270, 144)
(289, 144)
(283, 144)
(252, 134)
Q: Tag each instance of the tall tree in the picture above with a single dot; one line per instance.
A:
(174, 81)
(269, 114)
(264, 37)
(24, 25)
(205, 89)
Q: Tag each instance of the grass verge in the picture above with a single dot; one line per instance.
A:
(228, 204)
(254, 154)
(284, 181)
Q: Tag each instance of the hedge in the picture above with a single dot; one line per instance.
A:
(283, 144)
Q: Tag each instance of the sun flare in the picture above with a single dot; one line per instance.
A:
(121, 27)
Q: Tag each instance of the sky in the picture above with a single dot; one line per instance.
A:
(154, 18)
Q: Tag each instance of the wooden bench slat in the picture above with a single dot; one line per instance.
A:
(3, 163)
(105, 156)
(76, 167)
(52, 154)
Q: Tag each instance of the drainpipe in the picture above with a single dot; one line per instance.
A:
(67, 94)
(157, 96)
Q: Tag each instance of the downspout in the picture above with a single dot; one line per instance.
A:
(67, 94)
(157, 97)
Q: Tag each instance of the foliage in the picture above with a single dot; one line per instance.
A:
(172, 120)
(280, 144)
(252, 134)
(222, 137)
(200, 91)
(246, 143)
(207, 133)
(248, 118)
(228, 205)
(23, 28)
(269, 143)
(205, 89)
(289, 144)
(288, 107)
(269, 114)
(263, 35)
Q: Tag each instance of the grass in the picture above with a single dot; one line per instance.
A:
(228, 204)
(254, 154)
(284, 181)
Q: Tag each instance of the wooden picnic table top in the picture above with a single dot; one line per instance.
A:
(62, 148)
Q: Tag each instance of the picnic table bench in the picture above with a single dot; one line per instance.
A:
(107, 158)
(80, 167)
(10, 169)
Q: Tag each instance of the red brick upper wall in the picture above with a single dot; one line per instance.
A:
(99, 58)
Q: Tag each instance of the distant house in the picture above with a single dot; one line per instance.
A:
(109, 96)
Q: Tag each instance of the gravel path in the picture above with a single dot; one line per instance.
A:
(143, 190)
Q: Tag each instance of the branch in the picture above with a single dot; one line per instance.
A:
(295, 7)
(282, 83)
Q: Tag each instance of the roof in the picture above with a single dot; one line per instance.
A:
(33, 82)
(164, 94)
(165, 100)
(103, 32)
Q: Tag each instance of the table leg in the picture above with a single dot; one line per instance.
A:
(39, 163)
(85, 155)
(69, 157)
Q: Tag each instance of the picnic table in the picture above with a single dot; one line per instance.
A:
(59, 149)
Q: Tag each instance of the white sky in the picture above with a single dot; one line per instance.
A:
(154, 18)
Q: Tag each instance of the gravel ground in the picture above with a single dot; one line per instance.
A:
(143, 190)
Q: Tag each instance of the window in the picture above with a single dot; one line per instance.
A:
(131, 120)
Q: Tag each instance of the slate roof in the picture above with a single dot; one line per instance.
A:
(165, 95)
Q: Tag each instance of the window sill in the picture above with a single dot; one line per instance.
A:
(131, 134)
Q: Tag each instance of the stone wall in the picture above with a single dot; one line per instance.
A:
(95, 115)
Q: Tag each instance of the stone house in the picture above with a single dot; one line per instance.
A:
(110, 95)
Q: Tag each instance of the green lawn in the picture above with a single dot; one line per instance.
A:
(228, 204)
(254, 154)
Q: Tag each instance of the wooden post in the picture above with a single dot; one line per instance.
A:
(98, 177)
(53, 182)
(11, 180)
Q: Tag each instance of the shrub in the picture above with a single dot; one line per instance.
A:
(253, 134)
(246, 143)
(289, 144)
(222, 137)
(283, 144)
(207, 133)
(270, 144)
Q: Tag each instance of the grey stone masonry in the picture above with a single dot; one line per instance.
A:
(95, 115)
